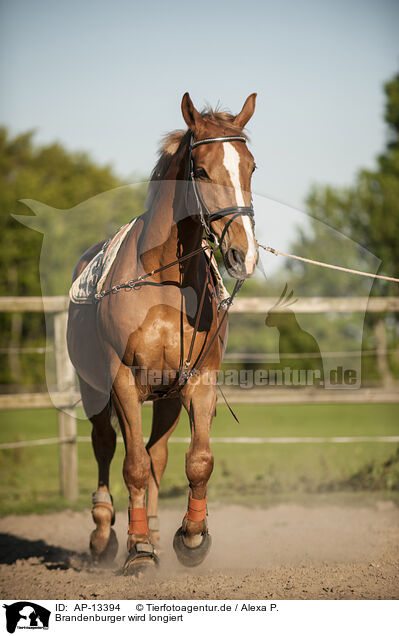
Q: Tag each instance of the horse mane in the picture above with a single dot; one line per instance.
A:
(171, 142)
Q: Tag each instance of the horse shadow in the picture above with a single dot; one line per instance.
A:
(298, 349)
(14, 548)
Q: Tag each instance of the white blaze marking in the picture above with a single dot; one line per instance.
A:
(231, 161)
(250, 257)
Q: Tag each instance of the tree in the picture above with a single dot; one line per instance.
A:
(357, 227)
(367, 212)
(63, 180)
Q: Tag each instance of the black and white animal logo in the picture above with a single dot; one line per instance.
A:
(26, 615)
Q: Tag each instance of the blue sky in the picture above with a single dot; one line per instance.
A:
(108, 77)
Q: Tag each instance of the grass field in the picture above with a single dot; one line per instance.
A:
(29, 480)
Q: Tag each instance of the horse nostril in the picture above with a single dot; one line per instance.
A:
(235, 257)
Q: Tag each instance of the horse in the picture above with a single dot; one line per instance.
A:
(157, 331)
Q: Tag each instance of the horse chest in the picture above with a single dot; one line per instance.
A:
(148, 328)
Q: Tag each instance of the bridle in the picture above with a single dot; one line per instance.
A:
(206, 216)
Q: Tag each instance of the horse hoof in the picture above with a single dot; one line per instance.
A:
(191, 557)
(141, 558)
(108, 554)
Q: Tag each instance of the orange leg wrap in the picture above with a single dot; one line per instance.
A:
(196, 509)
(138, 521)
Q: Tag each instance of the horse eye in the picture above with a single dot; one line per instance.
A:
(254, 168)
(201, 173)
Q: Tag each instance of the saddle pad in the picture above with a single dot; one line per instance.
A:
(92, 278)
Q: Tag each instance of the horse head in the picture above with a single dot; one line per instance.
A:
(221, 169)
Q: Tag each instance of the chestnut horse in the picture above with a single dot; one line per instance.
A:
(157, 331)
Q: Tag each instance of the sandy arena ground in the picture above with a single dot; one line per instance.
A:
(287, 551)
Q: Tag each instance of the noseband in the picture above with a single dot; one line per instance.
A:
(206, 216)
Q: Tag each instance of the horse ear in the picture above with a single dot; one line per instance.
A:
(191, 115)
(246, 113)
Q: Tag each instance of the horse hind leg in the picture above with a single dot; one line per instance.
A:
(165, 417)
(103, 541)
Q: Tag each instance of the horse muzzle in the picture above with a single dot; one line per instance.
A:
(240, 265)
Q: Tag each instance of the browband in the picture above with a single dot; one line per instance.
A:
(213, 140)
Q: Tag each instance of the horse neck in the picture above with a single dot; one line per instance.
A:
(169, 230)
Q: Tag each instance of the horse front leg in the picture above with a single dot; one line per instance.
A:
(136, 471)
(192, 541)
(165, 417)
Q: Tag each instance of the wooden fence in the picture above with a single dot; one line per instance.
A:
(66, 397)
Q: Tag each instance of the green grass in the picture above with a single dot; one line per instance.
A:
(29, 480)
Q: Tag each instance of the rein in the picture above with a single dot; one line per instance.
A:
(136, 283)
(187, 370)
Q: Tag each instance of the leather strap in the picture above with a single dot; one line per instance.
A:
(198, 317)
(140, 551)
(101, 496)
(103, 499)
(212, 140)
(153, 523)
(196, 509)
(138, 521)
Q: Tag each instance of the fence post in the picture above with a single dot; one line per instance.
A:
(68, 452)
(380, 334)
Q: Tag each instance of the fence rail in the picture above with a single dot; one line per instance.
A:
(66, 397)
(255, 304)
(358, 439)
(244, 396)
